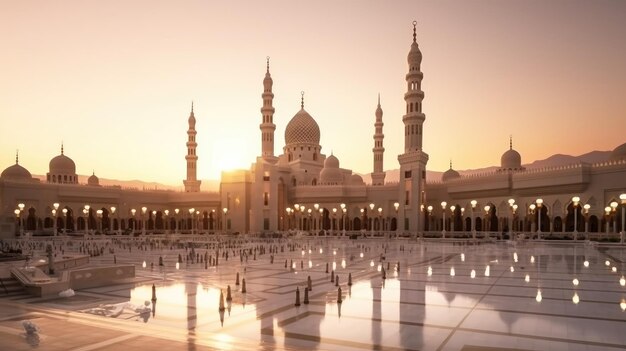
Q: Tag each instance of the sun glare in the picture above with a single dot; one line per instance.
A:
(228, 154)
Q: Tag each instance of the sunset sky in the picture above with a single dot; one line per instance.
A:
(114, 80)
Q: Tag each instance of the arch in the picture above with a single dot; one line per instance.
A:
(468, 224)
(48, 222)
(80, 223)
(478, 224)
(569, 218)
(31, 219)
(558, 224)
(314, 182)
(394, 224)
(356, 223)
(593, 224)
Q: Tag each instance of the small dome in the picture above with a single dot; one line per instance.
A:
(331, 162)
(16, 172)
(619, 153)
(93, 180)
(302, 129)
(450, 174)
(415, 55)
(511, 159)
(356, 179)
(62, 165)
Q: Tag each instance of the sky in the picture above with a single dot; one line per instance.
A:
(114, 80)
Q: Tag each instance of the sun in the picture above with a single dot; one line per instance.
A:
(228, 154)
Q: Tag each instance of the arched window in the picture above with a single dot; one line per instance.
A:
(314, 182)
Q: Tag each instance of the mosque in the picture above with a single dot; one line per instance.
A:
(303, 189)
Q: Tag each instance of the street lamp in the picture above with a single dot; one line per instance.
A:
(473, 203)
(334, 221)
(54, 213)
(133, 211)
(86, 212)
(575, 201)
(309, 220)
(613, 211)
(539, 204)
(321, 210)
(532, 214)
(167, 225)
(621, 233)
(363, 219)
(153, 221)
(430, 212)
(225, 210)
(176, 210)
(112, 227)
(288, 210)
(511, 204)
(99, 214)
(64, 220)
(586, 214)
(607, 214)
(343, 215)
(486, 208)
(191, 211)
(316, 206)
(17, 220)
(443, 211)
(143, 220)
(452, 208)
(380, 220)
(371, 219)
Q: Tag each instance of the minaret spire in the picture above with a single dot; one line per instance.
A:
(267, 125)
(510, 142)
(302, 99)
(17, 157)
(192, 184)
(378, 175)
(414, 32)
(61, 148)
(450, 163)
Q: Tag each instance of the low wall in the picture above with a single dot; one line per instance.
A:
(99, 276)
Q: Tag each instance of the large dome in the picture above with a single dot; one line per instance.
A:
(16, 172)
(619, 153)
(62, 165)
(93, 180)
(302, 129)
(450, 174)
(511, 159)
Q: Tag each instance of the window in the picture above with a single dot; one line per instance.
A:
(266, 199)
(266, 224)
(407, 174)
(406, 197)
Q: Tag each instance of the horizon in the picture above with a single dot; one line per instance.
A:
(118, 92)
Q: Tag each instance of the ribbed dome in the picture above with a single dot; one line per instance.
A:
(16, 172)
(331, 162)
(356, 179)
(511, 159)
(619, 153)
(93, 180)
(302, 129)
(62, 165)
(415, 55)
(331, 174)
(450, 174)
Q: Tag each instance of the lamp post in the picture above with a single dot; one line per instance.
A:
(17, 221)
(396, 205)
(321, 226)
(607, 216)
(343, 215)
(452, 208)
(622, 197)
(334, 221)
(613, 212)
(430, 212)
(371, 219)
(575, 201)
(225, 224)
(487, 221)
(143, 220)
(133, 211)
(363, 220)
(54, 214)
(380, 221)
(586, 214)
(191, 212)
(462, 217)
(309, 220)
(86, 212)
(473, 203)
(443, 226)
(288, 210)
(176, 211)
(111, 221)
(539, 205)
(317, 207)
(167, 224)
(199, 227)
(511, 204)
(99, 215)
(532, 215)
(64, 220)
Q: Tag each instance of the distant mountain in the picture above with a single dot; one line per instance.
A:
(393, 175)
(207, 184)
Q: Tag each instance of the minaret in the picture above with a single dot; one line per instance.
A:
(267, 125)
(192, 184)
(378, 176)
(413, 160)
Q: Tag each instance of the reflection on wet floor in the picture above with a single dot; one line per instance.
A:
(404, 295)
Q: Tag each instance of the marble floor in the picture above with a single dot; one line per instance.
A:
(405, 295)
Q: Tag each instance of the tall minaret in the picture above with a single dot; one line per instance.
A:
(192, 184)
(267, 126)
(413, 161)
(378, 176)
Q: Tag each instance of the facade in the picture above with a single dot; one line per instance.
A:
(304, 189)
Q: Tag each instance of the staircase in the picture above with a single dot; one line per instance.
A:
(11, 288)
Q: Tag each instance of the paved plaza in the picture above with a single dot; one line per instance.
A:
(405, 295)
